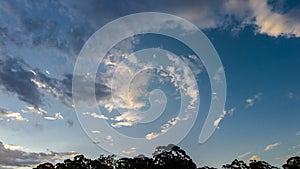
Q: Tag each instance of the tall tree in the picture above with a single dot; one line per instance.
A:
(292, 163)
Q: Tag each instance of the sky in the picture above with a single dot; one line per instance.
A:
(144, 80)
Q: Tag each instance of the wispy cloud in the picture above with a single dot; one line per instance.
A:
(152, 135)
(271, 146)
(298, 133)
(244, 155)
(95, 115)
(57, 116)
(225, 112)
(250, 101)
(130, 152)
(292, 95)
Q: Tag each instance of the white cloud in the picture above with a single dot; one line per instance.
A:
(132, 151)
(298, 133)
(123, 123)
(250, 101)
(244, 154)
(126, 119)
(15, 116)
(152, 135)
(9, 115)
(13, 147)
(254, 158)
(95, 131)
(267, 20)
(217, 121)
(96, 116)
(225, 112)
(271, 146)
(37, 110)
(57, 116)
(109, 138)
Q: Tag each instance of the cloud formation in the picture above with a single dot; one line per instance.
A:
(11, 116)
(244, 155)
(271, 146)
(16, 156)
(254, 158)
(250, 101)
(225, 112)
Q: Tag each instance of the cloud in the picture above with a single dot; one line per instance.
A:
(250, 101)
(126, 119)
(57, 116)
(30, 85)
(262, 15)
(11, 116)
(36, 110)
(254, 158)
(244, 155)
(152, 135)
(292, 95)
(298, 133)
(95, 131)
(225, 112)
(130, 152)
(15, 77)
(16, 156)
(95, 115)
(273, 23)
(271, 146)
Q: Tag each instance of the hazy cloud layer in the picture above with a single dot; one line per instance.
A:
(16, 156)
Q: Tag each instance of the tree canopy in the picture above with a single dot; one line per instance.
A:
(164, 157)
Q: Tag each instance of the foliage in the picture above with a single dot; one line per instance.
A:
(164, 157)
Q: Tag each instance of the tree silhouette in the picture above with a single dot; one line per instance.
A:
(261, 165)
(45, 166)
(171, 156)
(292, 163)
(164, 157)
(236, 164)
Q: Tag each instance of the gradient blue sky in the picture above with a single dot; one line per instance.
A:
(257, 41)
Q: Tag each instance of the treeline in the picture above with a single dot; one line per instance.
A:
(165, 157)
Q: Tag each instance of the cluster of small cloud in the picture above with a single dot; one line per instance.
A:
(256, 157)
(11, 116)
(164, 128)
(225, 112)
(13, 156)
(250, 101)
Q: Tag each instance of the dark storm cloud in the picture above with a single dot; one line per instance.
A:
(19, 158)
(14, 78)
(29, 85)
(47, 25)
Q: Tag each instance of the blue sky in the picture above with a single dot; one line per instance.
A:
(257, 42)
